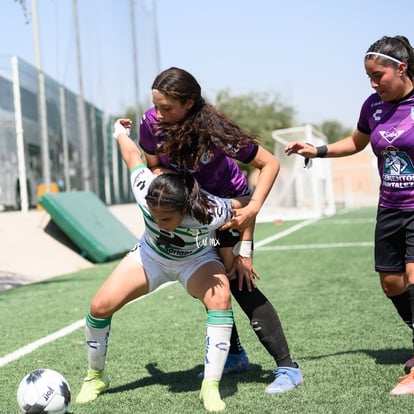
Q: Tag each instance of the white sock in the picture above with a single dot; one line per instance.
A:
(218, 333)
(97, 341)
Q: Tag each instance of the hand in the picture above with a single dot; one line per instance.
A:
(242, 218)
(163, 170)
(301, 148)
(243, 267)
(122, 126)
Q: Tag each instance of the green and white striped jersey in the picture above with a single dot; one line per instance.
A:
(191, 238)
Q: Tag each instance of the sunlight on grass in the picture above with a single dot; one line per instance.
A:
(340, 327)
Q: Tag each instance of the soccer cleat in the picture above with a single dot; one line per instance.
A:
(408, 365)
(210, 396)
(235, 364)
(406, 384)
(286, 379)
(93, 385)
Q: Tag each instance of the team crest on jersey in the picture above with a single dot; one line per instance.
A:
(233, 149)
(205, 158)
(412, 114)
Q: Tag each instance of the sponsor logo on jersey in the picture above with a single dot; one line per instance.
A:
(391, 135)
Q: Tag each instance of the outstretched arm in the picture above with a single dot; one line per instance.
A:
(130, 152)
(342, 148)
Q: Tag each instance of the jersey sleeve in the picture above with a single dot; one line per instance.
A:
(363, 121)
(222, 211)
(147, 130)
(141, 178)
(246, 154)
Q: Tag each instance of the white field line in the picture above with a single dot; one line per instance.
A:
(56, 335)
(284, 233)
(79, 324)
(316, 246)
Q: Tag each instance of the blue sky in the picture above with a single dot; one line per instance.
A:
(308, 53)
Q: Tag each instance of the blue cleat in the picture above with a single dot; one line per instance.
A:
(235, 364)
(286, 379)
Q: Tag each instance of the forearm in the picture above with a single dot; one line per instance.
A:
(244, 246)
(268, 167)
(247, 233)
(129, 151)
(265, 181)
(344, 147)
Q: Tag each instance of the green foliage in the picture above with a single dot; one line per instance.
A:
(334, 130)
(343, 331)
(258, 113)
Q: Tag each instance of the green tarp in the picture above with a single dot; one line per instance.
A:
(89, 224)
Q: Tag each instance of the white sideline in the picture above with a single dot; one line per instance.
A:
(27, 349)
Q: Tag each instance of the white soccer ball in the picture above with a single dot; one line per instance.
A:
(43, 391)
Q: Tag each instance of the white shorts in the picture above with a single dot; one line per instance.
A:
(159, 270)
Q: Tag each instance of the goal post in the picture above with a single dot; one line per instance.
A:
(299, 192)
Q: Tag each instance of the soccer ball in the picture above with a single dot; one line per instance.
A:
(43, 391)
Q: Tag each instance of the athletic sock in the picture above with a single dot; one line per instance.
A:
(265, 322)
(235, 344)
(97, 335)
(403, 306)
(218, 332)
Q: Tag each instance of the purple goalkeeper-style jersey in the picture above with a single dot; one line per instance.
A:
(391, 129)
(217, 173)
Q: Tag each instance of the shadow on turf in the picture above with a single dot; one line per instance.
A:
(381, 356)
(185, 381)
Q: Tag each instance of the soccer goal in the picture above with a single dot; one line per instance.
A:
(299, 192)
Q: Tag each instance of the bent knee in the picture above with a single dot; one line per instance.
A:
(101, 309)
(393, 284)
(220, 301)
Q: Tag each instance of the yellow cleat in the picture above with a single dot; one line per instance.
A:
(93, 385)
(210, 396)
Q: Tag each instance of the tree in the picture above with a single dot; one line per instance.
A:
(257, 113)
(334, 130)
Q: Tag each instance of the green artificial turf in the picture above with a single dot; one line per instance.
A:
(342, 330)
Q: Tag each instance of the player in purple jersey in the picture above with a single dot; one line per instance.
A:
(183, 132)
(386, 122)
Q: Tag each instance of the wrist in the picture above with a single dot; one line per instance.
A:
(119, 129)
(321, 151)
(243, 248)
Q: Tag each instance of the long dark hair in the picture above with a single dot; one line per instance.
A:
(180, 192)
(397, 47)
(202, 128)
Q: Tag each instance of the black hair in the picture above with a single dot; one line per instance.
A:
(180, 192)
(397, 47)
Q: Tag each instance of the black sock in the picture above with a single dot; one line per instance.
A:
(235, 345)
(265, 322)
(403, 306)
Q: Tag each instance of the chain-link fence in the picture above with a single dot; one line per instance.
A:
(44, 150)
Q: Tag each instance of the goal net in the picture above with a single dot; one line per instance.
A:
(299, 192)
